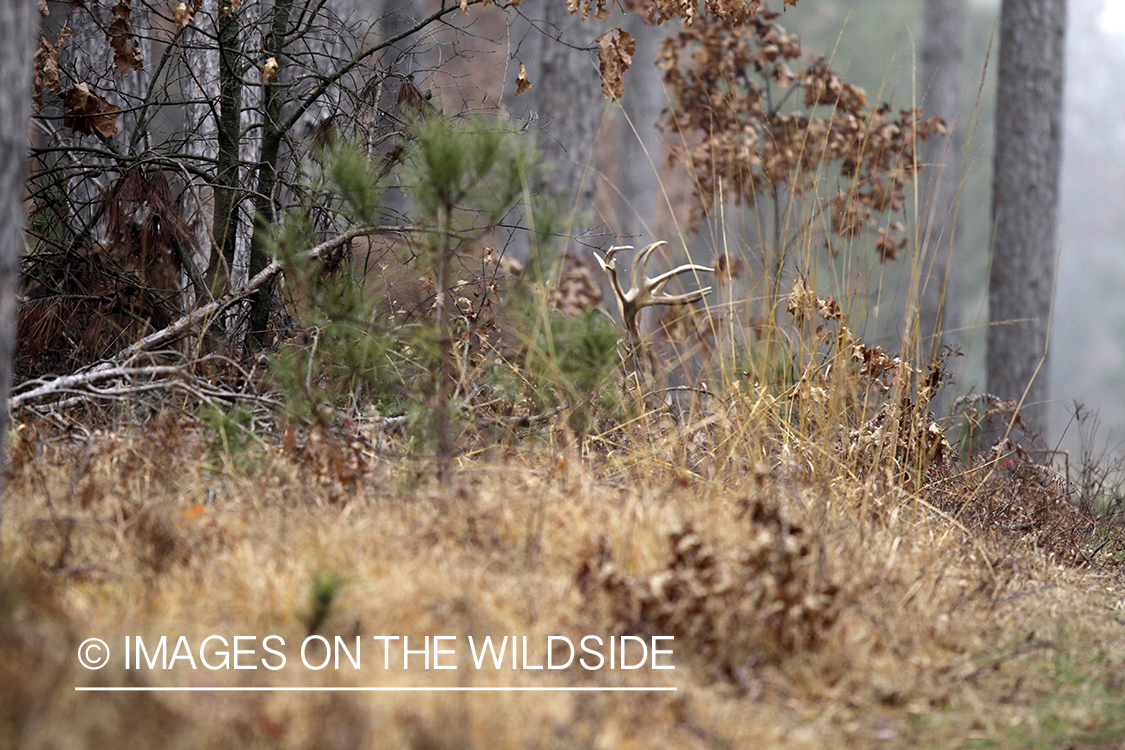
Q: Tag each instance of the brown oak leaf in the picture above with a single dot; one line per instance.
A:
(615, 56)
(522, 82)
(269, 70)
(86, 112)
(126, 52)
(181, 16)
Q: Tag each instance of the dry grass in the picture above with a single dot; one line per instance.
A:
(810, 608)
(831, 576)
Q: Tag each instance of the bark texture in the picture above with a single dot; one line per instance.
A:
(264, 214)
(226, 193)
(566, 97)
(942, 70)
(201, 87)
(17, 19)
(1025, 193)
(641, 148)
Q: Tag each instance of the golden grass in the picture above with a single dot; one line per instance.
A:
(830, 579)
(930, 630)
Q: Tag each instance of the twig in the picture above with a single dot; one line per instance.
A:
(116, 367)
(212, 309)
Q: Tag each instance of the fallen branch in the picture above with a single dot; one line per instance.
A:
(116, 367)
(66, 383)
(212, 309)
(129, 381)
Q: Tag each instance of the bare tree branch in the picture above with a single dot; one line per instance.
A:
(210, 310)
(115, 366)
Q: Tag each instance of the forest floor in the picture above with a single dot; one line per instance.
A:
(805, 609)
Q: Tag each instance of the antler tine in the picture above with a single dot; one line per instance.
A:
(685, 298)
(645, 292)
(657, 284)
(640, 264)
(609, 266)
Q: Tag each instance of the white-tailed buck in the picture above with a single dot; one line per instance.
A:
(645, 292)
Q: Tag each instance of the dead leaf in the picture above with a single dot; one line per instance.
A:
(615, 56)
(182, 15)
(269, 70)
(47, 70)
(51, 72)
(800, 302)
(888, 244)
(86, 112)
(783, 75)
(126, 52)
(585, 8)
(43, 9)
(522, 82)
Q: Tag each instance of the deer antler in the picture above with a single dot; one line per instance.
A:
(643, 291)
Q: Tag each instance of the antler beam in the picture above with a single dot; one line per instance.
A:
(645, 292)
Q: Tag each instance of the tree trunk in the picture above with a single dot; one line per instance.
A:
(566, 97)
(944, 23)
(202, 88)
(264, 213)
(17, 20)
(641, 147)
(84, 55)
(226, 188)
(1025, 190)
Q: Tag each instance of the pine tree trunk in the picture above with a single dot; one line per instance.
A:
(939, 295)
(566, 97)
(1025, 191)
(17, 19)
(641, 148)
(202, 88)
(944, 23)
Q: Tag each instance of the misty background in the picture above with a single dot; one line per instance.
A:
(877, 45)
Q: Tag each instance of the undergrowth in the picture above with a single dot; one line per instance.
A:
(454, 454)
(837, 606)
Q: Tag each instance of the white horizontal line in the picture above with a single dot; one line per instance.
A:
(374, 689)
